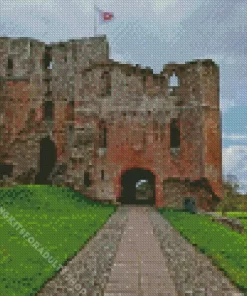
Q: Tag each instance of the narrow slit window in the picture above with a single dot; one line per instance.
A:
(47, 60)
(48, 110)
(106, 83)
(71, 135)
(144, 82)
(144, 138)
(175, 133)
(103, 135)
(10, 64)
(102, 175)
(87, 179)
(162, 82)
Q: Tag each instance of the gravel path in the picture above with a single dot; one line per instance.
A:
(89, 270)
(192, 272)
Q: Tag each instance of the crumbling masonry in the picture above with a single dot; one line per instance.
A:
(70, 115)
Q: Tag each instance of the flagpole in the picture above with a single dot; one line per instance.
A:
(95, 21)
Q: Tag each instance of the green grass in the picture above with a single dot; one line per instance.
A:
(240, 215)
(61, 220)
(226, 248)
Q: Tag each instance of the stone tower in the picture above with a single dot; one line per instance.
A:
(70, 115)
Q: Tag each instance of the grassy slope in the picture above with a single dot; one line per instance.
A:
(61, 220)
(228, 249)
(242, 216)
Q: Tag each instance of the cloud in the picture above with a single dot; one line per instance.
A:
(12, 6)
(234, 137)
(173, 10)
(225, 105)
(48, 20)
(233, 155)
(120, 58)
(235, 163)
(226, 59)
(141, 182)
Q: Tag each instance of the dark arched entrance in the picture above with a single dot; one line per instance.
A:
(48, 157)
(131, 193)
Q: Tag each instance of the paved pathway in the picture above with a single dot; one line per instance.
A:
(90, 268)
(131, 255)
(139, 268)
(192, 272)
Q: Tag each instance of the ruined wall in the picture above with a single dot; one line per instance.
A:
(134, 136)
(212, 154)
(89, 92)
(69, 59)
(137, 115)
(31, 74)
(176, 190)
(19, 71)
(21, 75)
(187, 161)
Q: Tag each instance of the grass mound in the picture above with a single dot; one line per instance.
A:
(59, 219)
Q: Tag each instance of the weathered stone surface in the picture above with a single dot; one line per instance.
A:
(139, 266)
(139, 251)
(90, 268)
(85, 92)
(192, 272)
(234, 224)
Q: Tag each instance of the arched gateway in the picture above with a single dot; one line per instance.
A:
(131, 193)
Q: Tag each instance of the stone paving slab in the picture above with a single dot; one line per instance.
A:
(90, 268)
(143, 255)
(192, 272)
(120, 294)
(139, 267)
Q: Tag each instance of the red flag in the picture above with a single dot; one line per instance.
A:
(104, 16)
(107, 16)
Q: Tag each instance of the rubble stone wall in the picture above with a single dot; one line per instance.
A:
(90, 94)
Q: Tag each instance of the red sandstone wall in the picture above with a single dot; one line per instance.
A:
(126, 150)
(212, 144)
(130, 144)
(212, 151)
(16, 106)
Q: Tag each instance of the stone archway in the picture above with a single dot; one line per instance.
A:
(47, 160)
(129, 181)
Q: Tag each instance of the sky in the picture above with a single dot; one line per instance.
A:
(153, 33)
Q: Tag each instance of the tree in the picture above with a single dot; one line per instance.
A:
(243, 203)
(144, 189)
(232, 199)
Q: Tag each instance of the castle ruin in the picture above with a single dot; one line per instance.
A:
(70, 115)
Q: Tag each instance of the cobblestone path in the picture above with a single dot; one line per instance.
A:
(191, 271)
(138, 253)
(87, 273)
